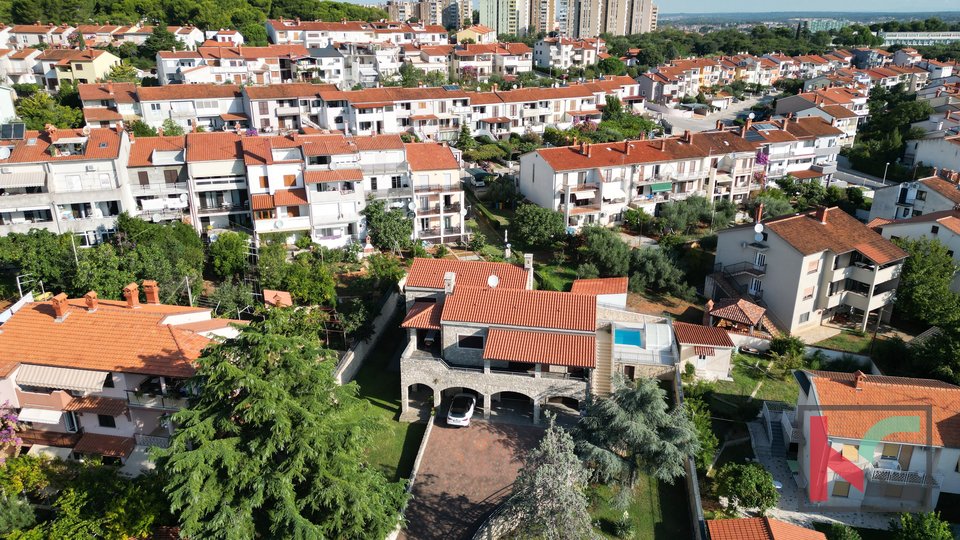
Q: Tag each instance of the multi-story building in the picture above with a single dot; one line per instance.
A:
(543, 16)
(478, 33)
(903, 473)
(565, 53)
(157, 175)
(594, 183)
(477, 327)
(807, 268)
(805, 148)
(65, 180)
(217, 183)
(629, 17)
(107, 104)
(439, 205)
(943, 226)
(29, 35)
(482, 61)
(99, 378)
(429, 58)
(506, 16)
(919, 39)
(211, 106)
(940, 152)
(316, 34)
(21, 66)
(75, 66)
(848, 98)
(232, 64)
(910, 199)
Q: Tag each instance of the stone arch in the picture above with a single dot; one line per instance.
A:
(518, 403)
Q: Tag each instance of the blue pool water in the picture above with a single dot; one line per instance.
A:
(624, 336)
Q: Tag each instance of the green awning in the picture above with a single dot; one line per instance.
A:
(661, 186)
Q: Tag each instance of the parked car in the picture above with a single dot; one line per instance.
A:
(461, 410)
(477, 182)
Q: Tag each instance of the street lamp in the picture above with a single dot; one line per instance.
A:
(885, 172)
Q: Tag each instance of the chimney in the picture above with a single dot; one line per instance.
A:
(759, 212)
(707, 308)
(860, 379)
(449, 281)
(589, 150)
(626, 147)
(822, 214)
(663, 144)
(686, 136)
(60, 306)
(152, 291)
(719, 125)
(132, 294)
(90, 299)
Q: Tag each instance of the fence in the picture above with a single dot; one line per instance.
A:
(693, 484)
(352, 360)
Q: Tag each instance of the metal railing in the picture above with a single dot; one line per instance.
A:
(222, 208)
(746, 268)
(143, 439)
(913, 478)
(152, 401)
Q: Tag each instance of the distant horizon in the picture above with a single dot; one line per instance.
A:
(815, 14)
(811, 7)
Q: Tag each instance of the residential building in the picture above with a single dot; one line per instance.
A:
(482, 61)
(707, 348)
(211, 106)
(759, 529)
(847, 98)
(108, 104)
(478, 327)
(910, 199)
(905, 472)
(439, 204)
(805, 148)
(107, 376)
(629, 17)
(21, 66)
(157, 176)
(65, 180)
(75, 66)
(429, 58)
(939, 152)
(506, 16)
(543, 16)
(217, 183)
(942, 226)
(232, 64)
(328, 66)
(595, 183)
(807, 268)
(565, 53)
(316, 34)
(478, 33)
(610, 292)
(29, 35)
(919, 39)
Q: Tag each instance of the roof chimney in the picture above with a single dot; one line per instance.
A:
(90, 299)
(822, 214)
(589, 150)
(449, 281)
(719, 125)
(132, 294)
(759, 212)
(152, 291)
(663, 144)
(859, 380)
(707, 308)
(60, 306)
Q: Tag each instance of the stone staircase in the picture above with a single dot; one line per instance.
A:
(778, 447)
(603, 374)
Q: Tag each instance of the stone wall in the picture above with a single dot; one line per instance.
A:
(351, 361)
(454, 353)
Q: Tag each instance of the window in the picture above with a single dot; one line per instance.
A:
(144, 178)
(154, 106)
(470, 342)
(921, 195)
(917, 213)
(289, 180)
(108, 382)
(264, 182)
(264, 107)
(841, 489)
(808, 293)
(804, 317)
(396, 182)
(890, 451)
(935, 229)
(171, 176)
(373, 183)
(264, 214)
(106, 420)
(630, 373)
(813, 266)
(293, 211)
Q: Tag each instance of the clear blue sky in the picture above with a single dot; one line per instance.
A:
(733, 6)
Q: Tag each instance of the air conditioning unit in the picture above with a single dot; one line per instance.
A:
(5, 170)
(90, 168)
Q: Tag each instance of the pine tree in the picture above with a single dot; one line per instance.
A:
(272, 447)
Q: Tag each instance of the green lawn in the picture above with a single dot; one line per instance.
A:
(658, 510)
(731, 398)
(555, 278)
(847, 341)
(395, 448)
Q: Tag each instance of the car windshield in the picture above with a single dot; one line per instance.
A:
(460, 405)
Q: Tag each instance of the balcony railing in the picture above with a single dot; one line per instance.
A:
(228, 207)
(750, 268)
(151, 440)
(151, 401)
(438, 188)
(912, 478)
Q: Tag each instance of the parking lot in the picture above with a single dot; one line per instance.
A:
(464, 474)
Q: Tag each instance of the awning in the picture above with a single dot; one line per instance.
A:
(554, 348)
(423, 117)
(262, 201)
(661, 186)
(50, 452)
(23, 179)
(105, 445)
(40, 416)
(81, 380)
(496, 120)
(98, 405)
(584, 194)
(338, 175)
(614, 192)
(700, 350)
(376, 105)
(233, 117)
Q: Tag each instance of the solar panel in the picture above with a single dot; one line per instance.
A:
(450, 87)
(12, 131)
(753, 136)
(765, 126)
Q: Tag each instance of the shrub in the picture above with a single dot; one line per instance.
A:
(787, 345)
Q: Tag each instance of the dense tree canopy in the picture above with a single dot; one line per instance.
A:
(747, 486)
(536, 227)
(924, 293)
(271, 446)
(389, 229)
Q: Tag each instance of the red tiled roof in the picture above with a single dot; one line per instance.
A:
(277, 298)
(188, 91)
(428, 273)
(948, 218)
(759, 529)
(120, 92)
(98, 114)
(423, 315)
(517, 307)
(101, 143)
(616, 285)
(290, 197)
(574, 350)
(841, 233)
(947, 189)
(878, 391)
(262, 201)
(98, 405)
(338, 175)
(105, 445)
(739, 310)
(214, 146)
(142, 148)
(700, 350)
(695, 334)
(379, 142)
(430, 157)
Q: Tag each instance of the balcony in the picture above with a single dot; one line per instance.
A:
(451, 208)
(219, 209)
(860, 300)
(903, 478)
(438, 188)
(746, 268)
(288, 111)
(185, 113)
(393, 193)
(152, 401)
(177, 187)
(159, 441)
(433, 210)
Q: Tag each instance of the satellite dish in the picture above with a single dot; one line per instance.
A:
(751, 116)
(412, 206)
(758, 237)
(758, 228)
(4, 152)
(183, 197)
(156, 218)
(278, 224)
(493, 281)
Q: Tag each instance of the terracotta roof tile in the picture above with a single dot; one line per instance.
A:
(517, 307)
(119, 92)
(428, 273)
(739, 310)
(574, 350)
(188, 91)
(841, 233)
(277, 298)
(878, 390)
(759, 529)
(430, 157)
(261, 201)
(105, 445)
(100, 114)
(101, 143)
(947, 218)
(97, 405)
(379, 142)
(695, 334)
(423, 315)
(338, 175)
(947, 189)
(616, 285)
(290, 197)
(215, 146)
(287, 90)
(143, 148)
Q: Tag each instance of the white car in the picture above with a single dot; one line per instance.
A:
(477, 183)
(461, 410)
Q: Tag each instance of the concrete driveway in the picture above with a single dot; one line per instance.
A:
(464, 474)
(708, 122)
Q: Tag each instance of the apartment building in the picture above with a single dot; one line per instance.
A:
(477, 327)
(942, 226)
(806, 148)
(74, 66)
(476, 61)
(100, 34)
(440, 206)
(232, 64)
(668, 84)
(429, 58)
(157, 175)
(940, 152)
(283, 106)
(848, 98)
(906, 472)
(107, 104)
(30, 35)
(809, 267)
(629, 17)
(595, 183)
(369, 64)
(107, 376)
(478, 33)
(64, 180)
(316, 34)
(326, 65)
(506, 16)
(211, 106)
(565, 53)
(910, 199)
(21, 66)
(218, 193)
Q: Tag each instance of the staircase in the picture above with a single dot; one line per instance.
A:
(602, 384)
(777, 446)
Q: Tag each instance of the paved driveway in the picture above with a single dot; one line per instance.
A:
(464, 474)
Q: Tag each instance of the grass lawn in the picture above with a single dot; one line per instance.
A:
(847, 341)
(865, 534)
(657, 511)
(554, 278)
(730, 398)
(395, 448)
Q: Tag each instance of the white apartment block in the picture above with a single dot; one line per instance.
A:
(29, 35)
(805, 148)
(316, 34)
(911, 199)
(477, 61)
(232, 64)
(211, 106)
(21, 66)
(564, 53)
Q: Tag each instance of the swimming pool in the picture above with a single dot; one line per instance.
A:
(627, 336)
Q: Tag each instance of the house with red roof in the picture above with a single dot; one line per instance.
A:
(319, 34)
(943, 226)
(927, 195)
(762, 528)
(479, 327)
(707, 348)
(95, 377)
(806, 268)
(903, 468)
